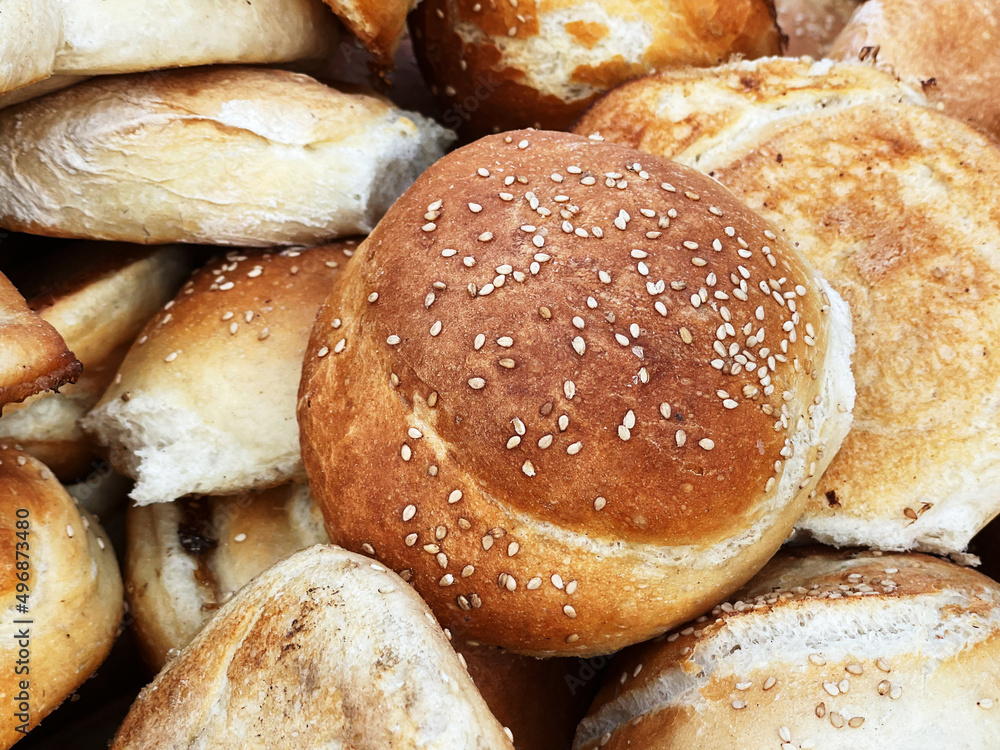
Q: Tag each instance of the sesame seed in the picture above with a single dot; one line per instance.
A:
(569, 611)
(505, 341)
(569, 389)
(574, 448)
(528, 468)
(409, 512)
(706, 444)
(240, 538)
(579, 345)
(739, 705)
(681, 438)
(170, 357)
(545, 441)
(69, 531)
(406, 452)
(599, 503)
(513, 442)
(393, 340)
(475, 208)
(477, 383)
(373, 297)
(436, 328)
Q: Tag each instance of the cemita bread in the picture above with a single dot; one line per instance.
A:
(894, 202)
(918, 40)
(187, 558)
(40, 39)
(498, 66)
(543, 390)
(225, 155)
(33, 356)
(204, 402)
(841, 651)
(98, 296)
(74, 590)
(812, 25)
(324, 649)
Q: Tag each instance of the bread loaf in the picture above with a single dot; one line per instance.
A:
(225, 155)
(543, 390)
(894, 203)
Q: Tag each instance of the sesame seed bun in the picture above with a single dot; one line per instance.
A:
(73, 596)
(98, 296)
(812, 25)
(576, 394)
(894, 203)
(324, 649)
(497, 66)
(948, 48)
(220, 155)
(823, 649)
(204, 402)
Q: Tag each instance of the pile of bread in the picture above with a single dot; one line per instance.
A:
(666, 414)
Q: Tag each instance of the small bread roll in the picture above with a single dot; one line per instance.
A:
(187, 558)
(949, 48)
(812, 25)
(895, 203)
(33, 356)
(204, 402)
(544, 390)
(324, 649)
(98, 296)
(840, 651)
(498, 66)
(43, 38)
(72, 595)
(226, 155)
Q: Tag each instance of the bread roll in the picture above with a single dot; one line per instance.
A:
(324, 649)
(895, 204)
(949, 48)
(840, 651)
(98, 296)
(204, 402)
(187, 558)
(43, 38)
(73, 599)
(563, 453)
(232, 156)
(33, 356)
(812, 25)
(498, 66)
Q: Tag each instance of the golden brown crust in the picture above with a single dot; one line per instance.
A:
(590, 397)
(34, 356)
(949, 48)
(847, 649)
(812, 25)
(74, 589)
(541, 63)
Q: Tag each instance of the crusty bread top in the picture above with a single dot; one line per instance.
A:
(324, 649)
(848, 649)
(949, 48)
(33, 356)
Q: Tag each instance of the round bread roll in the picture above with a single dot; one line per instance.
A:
(98, 296)
(950, 48)
(840, 651)
(204, 402)
(497, 66)
(895, 203)
(544, 391)
(812, 25)
(58, 564)
(227, 155)
(324, 649)
(43, 38)
(33, 356)
(187, 558)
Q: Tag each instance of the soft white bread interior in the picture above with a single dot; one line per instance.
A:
(187, 558)
(59, 565)
(324, 649)
(223, 155)
(98, 296)
(40, 39)
(204, 402)
(895, 204)
(563, 388)
(840, 651)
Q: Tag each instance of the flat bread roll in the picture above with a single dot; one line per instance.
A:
(98, 296)
(324, 649)
(895, 204)
(822, 649)
(43, 39)
(226, 155)
(204, 402)
(58, 564)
